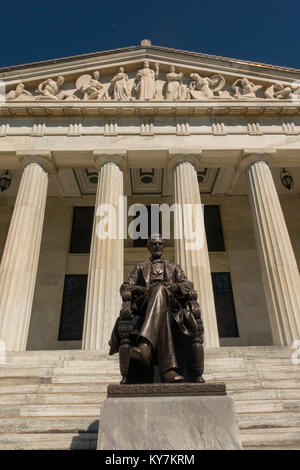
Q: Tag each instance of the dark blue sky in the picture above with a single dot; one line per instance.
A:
(263, 31)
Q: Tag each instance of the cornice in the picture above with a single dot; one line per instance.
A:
(152, 108)
(147, 49)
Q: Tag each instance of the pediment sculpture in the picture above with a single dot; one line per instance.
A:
(19, 94)
(91, 87)
(201, 88)
(52, 90)
(119, 86)
(150, 83)
(173, 89)
(145, 88)
(244, 89)
(279, 91)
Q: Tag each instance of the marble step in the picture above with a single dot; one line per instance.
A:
(269, 419)
(52, 441)
(83, 405)
(265, 394)
(87, 359)
(25, 372)
(91, 378)
(264, 406)
(60, 410)
(66, 424)
(272, 437)
(51, 398)
(64, 378)
(250, 352)
(53, 423)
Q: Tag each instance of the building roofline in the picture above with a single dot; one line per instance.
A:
(146, 47)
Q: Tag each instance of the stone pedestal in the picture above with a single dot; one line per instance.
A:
(186, 421)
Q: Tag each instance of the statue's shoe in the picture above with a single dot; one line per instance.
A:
(142, 353)
(199, 380)
(173, 377)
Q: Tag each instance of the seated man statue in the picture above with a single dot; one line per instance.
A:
(159, 322)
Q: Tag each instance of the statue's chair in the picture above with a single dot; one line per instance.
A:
(189, 349)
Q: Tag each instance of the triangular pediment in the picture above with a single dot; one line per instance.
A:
(172, 75)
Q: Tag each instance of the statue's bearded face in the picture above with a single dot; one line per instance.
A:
(156, 247)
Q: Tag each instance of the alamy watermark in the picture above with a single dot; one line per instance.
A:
(111, 222)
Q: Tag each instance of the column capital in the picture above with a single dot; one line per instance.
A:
(250, 156)
(180, 155)
(119, 157)
(41, 157)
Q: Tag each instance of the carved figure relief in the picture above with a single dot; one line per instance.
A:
(91, 87)
(203, 88)
(145, 82)
(51, 90)
(19, 94)
(146, 85)
(119, 86)
(173, 89)
(243, 88)
(279, 91)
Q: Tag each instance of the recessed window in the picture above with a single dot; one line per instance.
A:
(224, 303)
(83, 225)
(213, 228)
(72, 311)
(82, 229)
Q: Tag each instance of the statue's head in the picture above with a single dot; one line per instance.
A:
(146, 64)
(96, 75)
(121, 69)
(172, 69)
(155, 245)
(60, 80)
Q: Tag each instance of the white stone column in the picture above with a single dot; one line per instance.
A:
(19, 262)
(195, 261)
(278, 265)
(106, 265)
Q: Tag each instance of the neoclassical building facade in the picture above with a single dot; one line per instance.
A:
(159, 126)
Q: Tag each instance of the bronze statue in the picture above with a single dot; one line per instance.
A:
(159, 323)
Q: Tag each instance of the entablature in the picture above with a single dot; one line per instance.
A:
(146, 108)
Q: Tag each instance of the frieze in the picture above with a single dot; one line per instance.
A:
(73, 126)
(153, 82)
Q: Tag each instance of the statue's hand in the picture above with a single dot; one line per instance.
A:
(125, 312)
(139, 290)
(172, 287)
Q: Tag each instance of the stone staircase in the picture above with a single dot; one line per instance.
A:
(51, 399)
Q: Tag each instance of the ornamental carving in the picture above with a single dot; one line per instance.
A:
(91, 87)
(150, 83)
(201, 88)
(145, 87)
(173, 89)
(119, 86)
